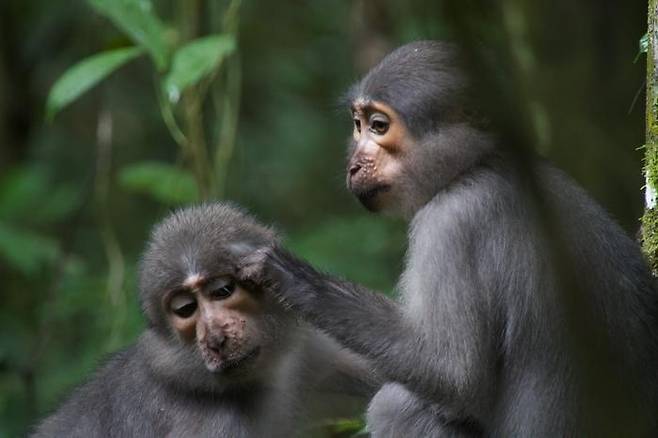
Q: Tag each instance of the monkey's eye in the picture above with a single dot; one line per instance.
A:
(357, 125)
(379, 125)
(221, 289)
(183, 305)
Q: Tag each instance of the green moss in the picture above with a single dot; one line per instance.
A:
(650, 238)
(650, 217)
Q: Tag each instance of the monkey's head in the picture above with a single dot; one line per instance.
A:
(413, 130)
(207, 330)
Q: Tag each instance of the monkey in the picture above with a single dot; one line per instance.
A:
(218, 357)
(488, 336)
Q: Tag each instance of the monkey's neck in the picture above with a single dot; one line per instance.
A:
(179, 368)
(430, 190)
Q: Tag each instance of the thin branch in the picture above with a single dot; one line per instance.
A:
(170, 120)
(230, 116)
(115, 259)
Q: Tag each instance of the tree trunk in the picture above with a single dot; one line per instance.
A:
(650, 218)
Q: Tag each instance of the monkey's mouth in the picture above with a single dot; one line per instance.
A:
(216, 362)
(368, 196)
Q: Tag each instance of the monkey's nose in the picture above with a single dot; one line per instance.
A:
(216, 343)
(354, 169)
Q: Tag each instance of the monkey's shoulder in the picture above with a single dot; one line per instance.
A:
(125, 397)
(111, 391)
(469, 206)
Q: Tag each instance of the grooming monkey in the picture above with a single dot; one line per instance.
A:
(524, 310)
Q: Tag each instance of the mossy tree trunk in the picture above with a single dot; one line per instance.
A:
(650, 218)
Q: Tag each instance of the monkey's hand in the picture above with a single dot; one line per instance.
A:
(251, 268)
(277, 271)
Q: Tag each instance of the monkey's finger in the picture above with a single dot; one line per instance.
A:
(251, 267)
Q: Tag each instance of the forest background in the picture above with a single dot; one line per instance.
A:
(226, 99)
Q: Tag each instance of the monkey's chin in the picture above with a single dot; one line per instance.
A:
(216, 364)
(373, 197)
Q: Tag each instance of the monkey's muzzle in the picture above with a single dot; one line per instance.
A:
(217, 361)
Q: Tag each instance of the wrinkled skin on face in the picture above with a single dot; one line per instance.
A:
(378, 149)
(221, 318)
(206, 329)
(392, 170)
(416, 129)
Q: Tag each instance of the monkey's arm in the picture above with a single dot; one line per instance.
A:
(441, 353)
(337, 382)
(341, 371)
(441, 344)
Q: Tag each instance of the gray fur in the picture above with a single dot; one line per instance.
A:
(524, 309)
(396, 412)
(160, 386)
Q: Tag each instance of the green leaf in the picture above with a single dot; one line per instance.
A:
(137, 19)
(28, 195)
(84, 75)
(58, 204)
(26, 250)
(196, 60)
(348, 425)
(163, 182)
(18, 189)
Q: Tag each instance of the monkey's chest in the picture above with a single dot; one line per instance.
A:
(225, 420)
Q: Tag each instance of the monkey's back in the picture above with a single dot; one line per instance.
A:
(587, 338)
(565, 299)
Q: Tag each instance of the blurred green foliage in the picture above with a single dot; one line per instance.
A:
(237, 100)
(85, 75)
(161, 181)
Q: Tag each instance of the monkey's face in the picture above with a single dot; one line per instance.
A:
(206, 331)
(223, 320)
(378, 148)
